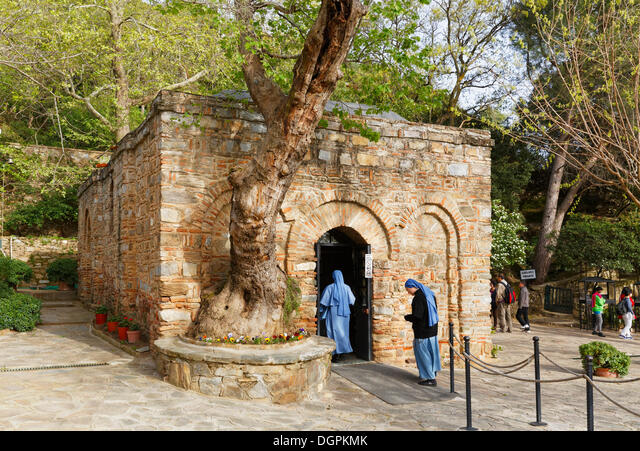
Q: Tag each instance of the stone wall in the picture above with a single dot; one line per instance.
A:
(154, 223)
(39, 253)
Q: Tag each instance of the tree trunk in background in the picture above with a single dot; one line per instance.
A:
(555, 212)
(122, 82)
(252, 299)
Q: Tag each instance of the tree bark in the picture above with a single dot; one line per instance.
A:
(120, 73)
(252, 299)
(555, 212)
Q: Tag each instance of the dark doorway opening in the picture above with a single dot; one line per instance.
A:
(344, 249)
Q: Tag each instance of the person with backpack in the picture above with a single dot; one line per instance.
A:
(598, 304)
(494, 306)
(624, 308)
(522, 315)
(504, 298)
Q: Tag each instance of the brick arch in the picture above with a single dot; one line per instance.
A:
(446, 206)
(309, 227)
(214, 226)
(213, 200)
(300, 209)
(437, 207)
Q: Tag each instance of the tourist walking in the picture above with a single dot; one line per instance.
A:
(503, 290)
(627, 313)
(334, 309)
(598, 304)
(522, 315)
(494, 306)
(424, 319)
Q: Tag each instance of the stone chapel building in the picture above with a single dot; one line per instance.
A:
(153, 224)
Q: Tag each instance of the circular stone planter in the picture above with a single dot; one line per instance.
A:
(281, 373)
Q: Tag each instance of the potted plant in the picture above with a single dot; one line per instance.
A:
(101, 314)
(123, 327)
(607, 360)
(112, 323)
(133, 334)
(64, 271)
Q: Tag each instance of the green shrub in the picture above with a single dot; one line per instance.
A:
(54, 211)
(19, 312)
(13, 271)
(605, 356)
(63, 269)
(291, 300)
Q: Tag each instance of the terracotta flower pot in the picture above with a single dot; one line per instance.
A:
(112, 326)
(122, 333)
(133, 336)
(101, 318)
(605, 372)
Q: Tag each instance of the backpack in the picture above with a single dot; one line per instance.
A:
(509, 295)
(621, 308)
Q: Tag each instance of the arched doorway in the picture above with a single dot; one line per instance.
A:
(344, 249)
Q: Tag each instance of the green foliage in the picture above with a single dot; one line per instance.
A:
(605, 356)
(13, 271)
(590, 243)
(52, 212)
(512, 164)
(494, 351)
(41, 192)
(507, 248)
(102, 310)
(19, 312)
(291, 299)
(63, 270)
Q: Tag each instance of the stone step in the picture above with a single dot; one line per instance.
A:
(555, 314)
(52, 295)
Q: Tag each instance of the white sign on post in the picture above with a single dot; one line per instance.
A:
(368, 266)
(528, 274)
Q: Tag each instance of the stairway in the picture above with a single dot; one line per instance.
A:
(60, 307)
(554, 319)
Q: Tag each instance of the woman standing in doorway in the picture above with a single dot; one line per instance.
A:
(334, 309)
(424, 319)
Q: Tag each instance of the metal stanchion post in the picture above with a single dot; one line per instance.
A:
(536, 354)
(452, 382)
(589, 393)
(467, 376)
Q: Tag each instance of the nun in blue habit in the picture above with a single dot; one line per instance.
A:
(424, 319)
(334, 309)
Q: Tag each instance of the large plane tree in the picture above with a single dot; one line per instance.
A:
(251, 301)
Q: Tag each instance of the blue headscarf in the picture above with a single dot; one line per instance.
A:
(431, 300)
(338, 293)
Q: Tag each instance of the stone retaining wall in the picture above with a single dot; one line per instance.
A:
(38, 253)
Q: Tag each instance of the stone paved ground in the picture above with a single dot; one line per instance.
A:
(128, 394)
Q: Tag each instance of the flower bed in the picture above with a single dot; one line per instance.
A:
(263, 339)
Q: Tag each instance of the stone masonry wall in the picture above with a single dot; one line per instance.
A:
(38, 253)
(420, 196)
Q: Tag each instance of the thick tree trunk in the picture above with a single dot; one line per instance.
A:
(252, 299)
(554, 214)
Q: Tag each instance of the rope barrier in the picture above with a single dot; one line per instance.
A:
(494, 372)
(528, 359)
(592, 383)
(477, 364)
